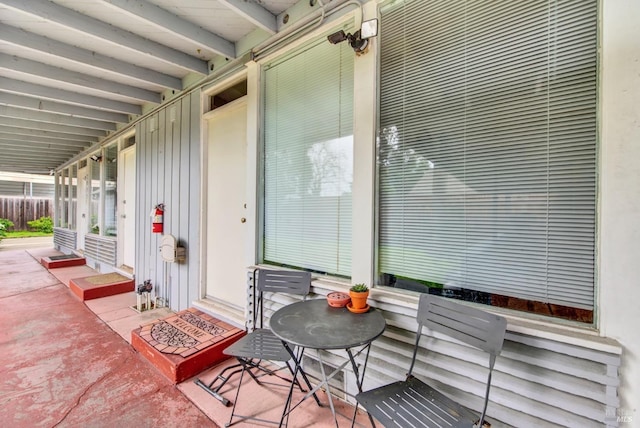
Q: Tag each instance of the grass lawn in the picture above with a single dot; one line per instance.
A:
(25, 234)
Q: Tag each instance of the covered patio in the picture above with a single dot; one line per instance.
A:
(67, 363)
(482, 151)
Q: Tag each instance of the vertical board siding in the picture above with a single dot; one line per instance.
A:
(536, 382)
(168, 170)
(21, 210)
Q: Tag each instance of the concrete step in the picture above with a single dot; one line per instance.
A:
(64, 260)
(94, 287)
(184, 344)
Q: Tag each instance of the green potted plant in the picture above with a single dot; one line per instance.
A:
(359, 294)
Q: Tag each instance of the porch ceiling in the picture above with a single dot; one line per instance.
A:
(73, 71)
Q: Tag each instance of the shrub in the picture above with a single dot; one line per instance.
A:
(5, 225)
(43, 224)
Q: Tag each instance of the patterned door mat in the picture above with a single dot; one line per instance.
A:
(186, 332)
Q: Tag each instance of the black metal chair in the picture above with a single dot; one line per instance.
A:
(261, 345)
(414, 403)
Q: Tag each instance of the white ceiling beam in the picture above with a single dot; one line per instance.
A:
(40, 116)
(44, 135)
(51, 47)
(25, 178)
(76, 21)
(24, 124)
(45, 71)
(28, 165)
(39, 149)
(31, 89)
(12, 148)
(8, 144)
(254, 13)
(7, 134)
(59, 108)
(176, 25)
(43, 167)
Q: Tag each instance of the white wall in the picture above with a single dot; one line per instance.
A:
(619, 221)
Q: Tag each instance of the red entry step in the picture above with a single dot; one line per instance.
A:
(61, 261)
(184, 344)
(94, 287)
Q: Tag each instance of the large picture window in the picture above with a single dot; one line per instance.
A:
(487, 152)
(308, 158)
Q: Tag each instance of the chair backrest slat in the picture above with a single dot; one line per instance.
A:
(475, 327)
(281, 281)
(278, 281)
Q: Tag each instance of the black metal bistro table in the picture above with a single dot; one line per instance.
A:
(313, 324)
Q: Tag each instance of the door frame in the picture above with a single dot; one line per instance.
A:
(120, 208)
(82, 207)
(252, 74)
(233, 105)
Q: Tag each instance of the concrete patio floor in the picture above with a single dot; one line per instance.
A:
(65, 363)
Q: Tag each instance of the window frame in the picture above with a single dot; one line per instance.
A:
(304, 43)
(596, 198)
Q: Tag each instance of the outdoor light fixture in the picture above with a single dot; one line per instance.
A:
(359, 40)
(95, 158)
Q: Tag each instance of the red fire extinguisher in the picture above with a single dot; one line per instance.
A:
(157, 222)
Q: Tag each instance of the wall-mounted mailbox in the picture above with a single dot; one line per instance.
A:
(170, 251)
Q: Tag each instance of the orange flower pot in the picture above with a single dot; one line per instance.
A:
(359, 299)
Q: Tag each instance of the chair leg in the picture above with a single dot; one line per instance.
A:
(235, 401)
(223, 378)
(248, 365)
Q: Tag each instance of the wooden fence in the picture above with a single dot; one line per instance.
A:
(20, 210)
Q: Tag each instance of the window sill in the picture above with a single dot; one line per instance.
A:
(407, 303)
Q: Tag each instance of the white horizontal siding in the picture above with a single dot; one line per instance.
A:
(64, 238)
(536, 382)
(101, 249)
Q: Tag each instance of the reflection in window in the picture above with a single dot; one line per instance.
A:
(331, 167)
(64, 198)
(110, 192)
(94, 203)
(73, 192)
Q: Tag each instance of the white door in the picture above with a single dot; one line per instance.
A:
(226, 211)
(82, 212)
(127, 207)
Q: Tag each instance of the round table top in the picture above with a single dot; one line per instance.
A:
(314, 324)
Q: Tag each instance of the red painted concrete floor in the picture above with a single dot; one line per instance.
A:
(64, 363)
(61, 366)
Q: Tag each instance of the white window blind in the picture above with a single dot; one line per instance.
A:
(487, 151)
(308, 151)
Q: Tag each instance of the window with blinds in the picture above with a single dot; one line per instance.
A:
(308, 158)
(487, 152)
